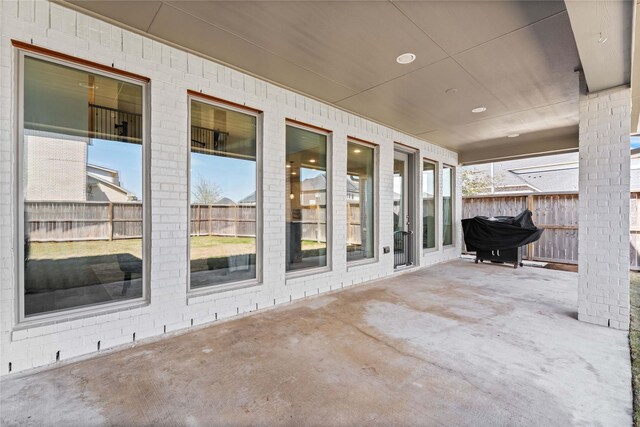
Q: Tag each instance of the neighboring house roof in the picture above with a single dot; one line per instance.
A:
(101, 179)
(550, 181)
(251, 198)
(225, 201)
(317, 183)
(106, 173)
(352, 187)
(546, 174)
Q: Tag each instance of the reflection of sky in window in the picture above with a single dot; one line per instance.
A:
(635, 141)
(446, 182)
(428, 182)
(235, 177)
(122, 157)
(397, 184)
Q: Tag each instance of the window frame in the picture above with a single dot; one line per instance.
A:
(376, 201)
(436, 197)
(453, 207)
(329, 214)
(23, 51)
(258, 114)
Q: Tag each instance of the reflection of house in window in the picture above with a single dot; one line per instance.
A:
(225, 201)
(103, 185)
(248, 200)
(59, 171)
(314, 191)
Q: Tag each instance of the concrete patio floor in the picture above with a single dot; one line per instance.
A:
(456, 344)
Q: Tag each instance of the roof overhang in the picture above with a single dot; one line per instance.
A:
(517, 58)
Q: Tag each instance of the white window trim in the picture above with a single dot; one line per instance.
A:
(294, 274)
(453, 207)
(215, 288)
(436, 197)
(97, 309)
(376, 203)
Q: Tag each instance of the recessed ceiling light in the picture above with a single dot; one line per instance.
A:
(406, 58)
(357, 150)
(288, 166)
(451, 91)
(312, 161)
(294, 173)
(513, 135)
(479, 110)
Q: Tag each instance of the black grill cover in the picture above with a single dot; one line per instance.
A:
(500, 232)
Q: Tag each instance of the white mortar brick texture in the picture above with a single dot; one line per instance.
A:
(172, 73)
(603, 235)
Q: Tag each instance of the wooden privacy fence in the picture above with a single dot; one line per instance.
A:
(558, 214)
(74, 221)
(223, 220)
(77, 221)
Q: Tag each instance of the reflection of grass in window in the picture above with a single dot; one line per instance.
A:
(201, 247)
(312, 244)
(63, 250)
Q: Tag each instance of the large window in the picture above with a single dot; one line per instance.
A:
(447, 204)
(224, 200)
(306, 199)
(428, 205)
(360, 201)
(82, 187)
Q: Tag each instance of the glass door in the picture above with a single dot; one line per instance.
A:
(402, 226)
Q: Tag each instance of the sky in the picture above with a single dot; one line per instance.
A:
(635, 141)
(122, 157)
(236, 178)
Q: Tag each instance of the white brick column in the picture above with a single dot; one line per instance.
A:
(603, 234)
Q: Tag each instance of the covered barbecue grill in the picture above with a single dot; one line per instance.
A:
(500, 238)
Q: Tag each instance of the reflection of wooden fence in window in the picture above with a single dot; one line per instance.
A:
(354, 235)
(314, 223)
(75, 221)
(223, 220)
(558, 215)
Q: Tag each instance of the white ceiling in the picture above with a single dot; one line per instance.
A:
(517, 58)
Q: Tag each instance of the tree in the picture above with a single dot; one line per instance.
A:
(476, 182)
(205, 192)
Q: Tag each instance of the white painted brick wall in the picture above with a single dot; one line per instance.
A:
(172, 72)
(603, 235)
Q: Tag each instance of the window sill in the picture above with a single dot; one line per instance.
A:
(354, 265)
(48, 319)
(293, 275)
(194, 294)
(430, 251)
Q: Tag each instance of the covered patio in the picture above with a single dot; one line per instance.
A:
(456, 344)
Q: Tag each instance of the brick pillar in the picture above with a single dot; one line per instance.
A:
(603, 249)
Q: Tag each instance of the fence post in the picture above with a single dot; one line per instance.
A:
(110, 226)
(210, 211)
(235, 224)
(531, 207)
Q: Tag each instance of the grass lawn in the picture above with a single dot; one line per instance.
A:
(634, 342)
